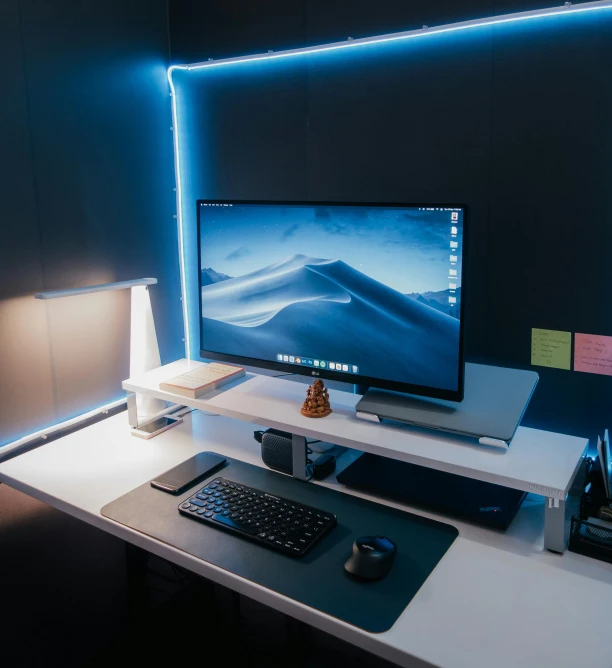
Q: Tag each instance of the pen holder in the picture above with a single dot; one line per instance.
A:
(591, 534)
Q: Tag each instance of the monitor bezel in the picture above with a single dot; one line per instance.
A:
(355, 379)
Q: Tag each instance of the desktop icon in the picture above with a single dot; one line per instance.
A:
(332, 365)
(298, 360)
(452, 272)
(323, 364)
(285, 358)
(452, 286)
(454, 215)
(345, 367)
(355, 369)
(279, 358)
(453, 230)
(292, 359)
(454, 244)
(316, 362)
(452, 300)
(453, 258)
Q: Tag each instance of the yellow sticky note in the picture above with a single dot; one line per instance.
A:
(551, 348)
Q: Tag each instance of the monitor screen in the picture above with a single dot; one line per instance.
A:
(367, 294)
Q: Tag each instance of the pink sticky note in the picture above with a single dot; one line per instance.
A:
(593, 354)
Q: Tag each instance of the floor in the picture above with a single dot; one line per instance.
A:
(66, 602)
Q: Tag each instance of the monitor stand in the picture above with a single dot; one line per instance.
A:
(495, 400)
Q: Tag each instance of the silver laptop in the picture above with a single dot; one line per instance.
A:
(495, 400)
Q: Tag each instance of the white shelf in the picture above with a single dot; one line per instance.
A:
(537, 461)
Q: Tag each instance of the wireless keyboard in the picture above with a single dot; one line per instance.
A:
(278, 523)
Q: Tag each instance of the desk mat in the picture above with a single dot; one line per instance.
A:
(318, 579)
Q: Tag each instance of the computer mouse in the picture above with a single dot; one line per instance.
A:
(372, 557)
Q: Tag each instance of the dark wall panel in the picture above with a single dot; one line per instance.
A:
(103, 160)
(26, 388)
(97, 202)
(515, 120)
(551, 214)
(202, 30)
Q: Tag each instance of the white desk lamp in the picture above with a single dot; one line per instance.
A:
(144, 349)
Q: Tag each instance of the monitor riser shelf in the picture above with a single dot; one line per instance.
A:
(538, 462)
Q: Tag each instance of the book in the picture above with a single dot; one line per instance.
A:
(198, 381)
(607, 470)
(603, 461)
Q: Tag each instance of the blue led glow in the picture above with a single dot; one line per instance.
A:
(565, 10)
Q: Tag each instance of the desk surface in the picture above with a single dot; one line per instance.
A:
(495, 599)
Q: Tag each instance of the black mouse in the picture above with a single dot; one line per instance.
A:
(372, 557)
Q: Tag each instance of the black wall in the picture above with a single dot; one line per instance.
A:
(515, 120)
(86, 197)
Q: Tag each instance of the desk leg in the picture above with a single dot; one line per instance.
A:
(136, 573)
(299, 641)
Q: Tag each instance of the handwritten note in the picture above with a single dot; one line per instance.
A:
(593, 354)
(551, 348)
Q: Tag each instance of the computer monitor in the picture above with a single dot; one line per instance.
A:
(370, 294)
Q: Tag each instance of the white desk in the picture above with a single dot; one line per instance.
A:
(495, 599)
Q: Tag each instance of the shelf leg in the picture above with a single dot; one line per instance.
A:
(558, 513)
(132, 410)
(556, 527)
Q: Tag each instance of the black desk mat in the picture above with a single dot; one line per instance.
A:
(318, 579)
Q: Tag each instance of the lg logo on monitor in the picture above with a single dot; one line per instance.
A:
(315, 373)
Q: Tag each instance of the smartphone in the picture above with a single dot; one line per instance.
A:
(189, 472)
(155, 427)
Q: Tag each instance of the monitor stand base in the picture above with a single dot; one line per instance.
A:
(495, 400)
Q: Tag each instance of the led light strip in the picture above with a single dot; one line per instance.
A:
(425, 31)
(47, 431)
(179, 216)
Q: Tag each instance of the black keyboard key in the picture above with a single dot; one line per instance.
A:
(208, 513)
